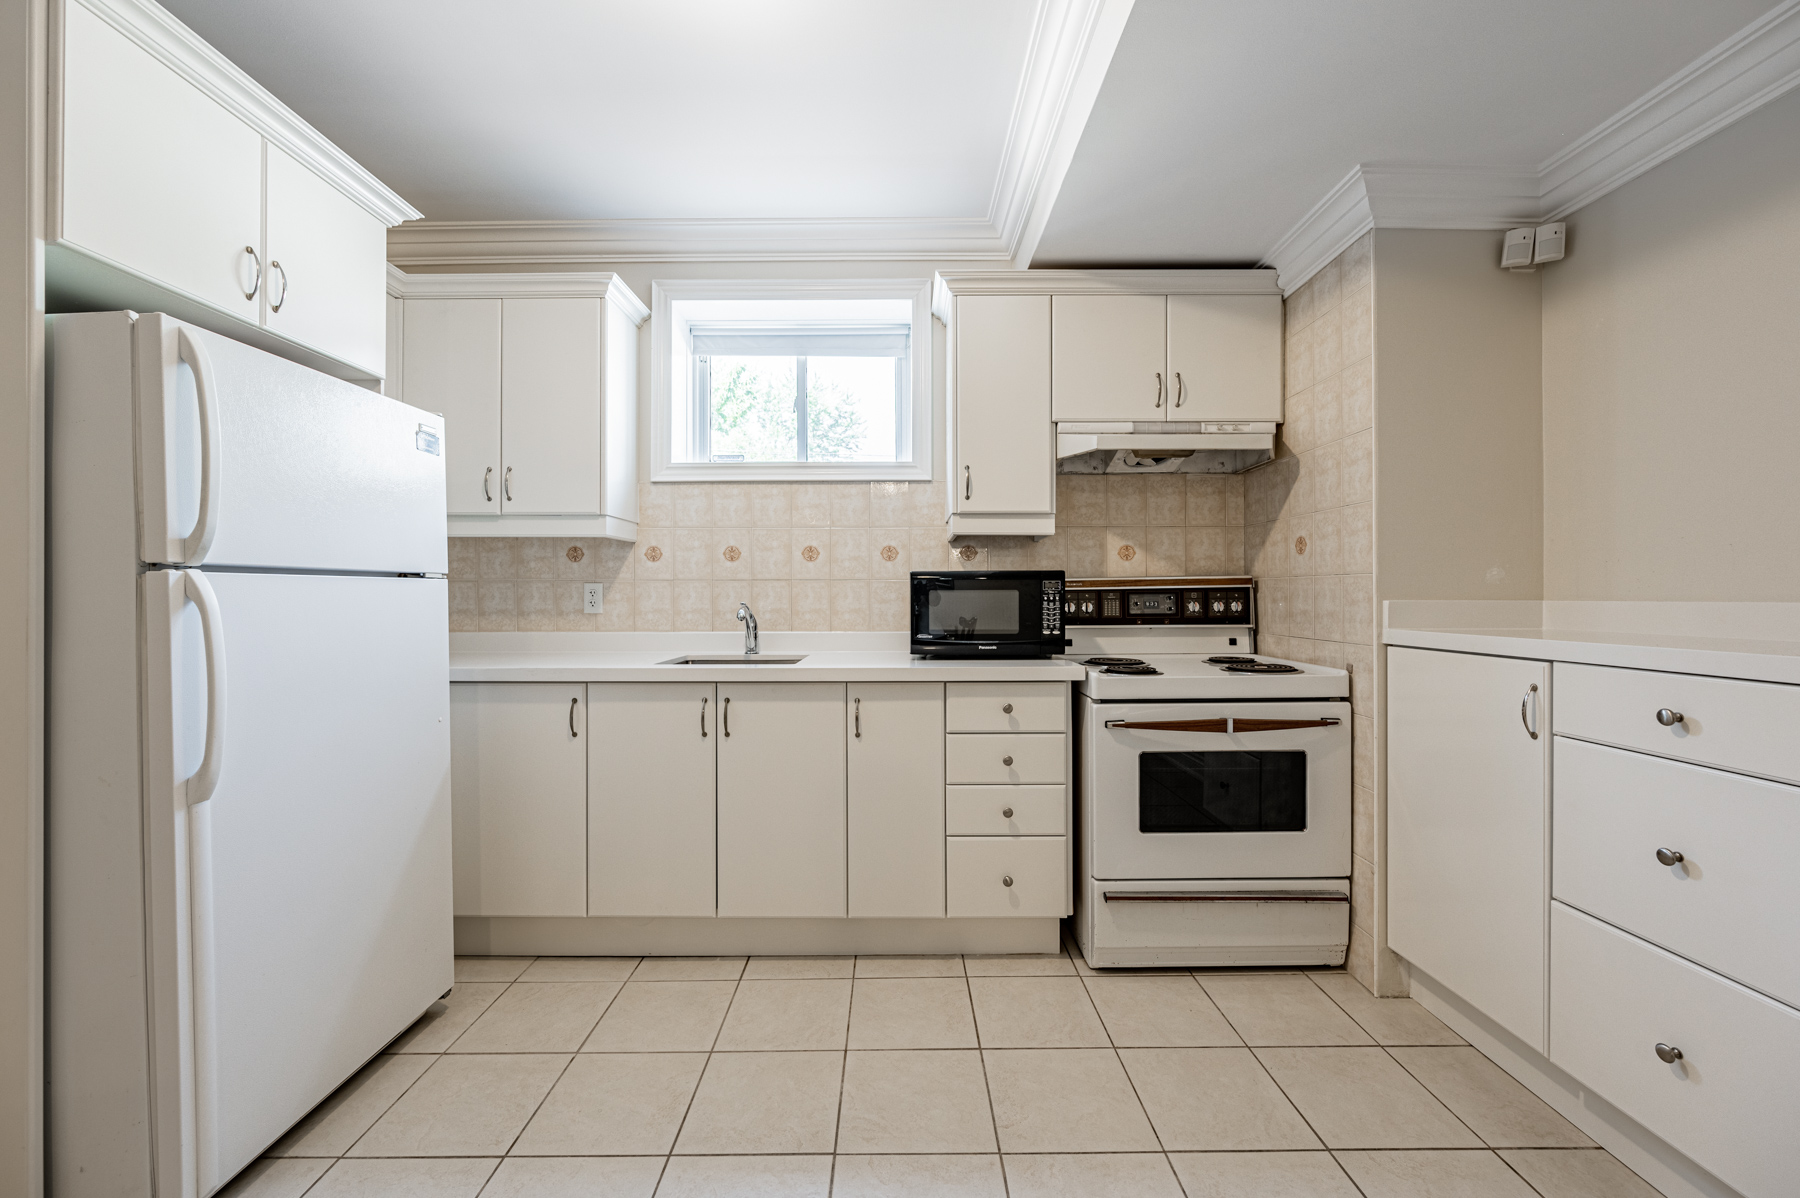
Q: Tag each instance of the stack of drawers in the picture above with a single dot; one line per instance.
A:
(1007, 803)
(1674, 937)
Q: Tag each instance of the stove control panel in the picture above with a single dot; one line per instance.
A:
(1216, 602)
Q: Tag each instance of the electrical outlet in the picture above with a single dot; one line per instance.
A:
(590, 599)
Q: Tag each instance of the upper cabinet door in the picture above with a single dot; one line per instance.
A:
(326, 281)
(551, 378)
(155, 175)
(1225, 357)
(1109, 357)
(1005, 453)
(451, 364)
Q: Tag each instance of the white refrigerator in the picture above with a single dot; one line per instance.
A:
(248, 812)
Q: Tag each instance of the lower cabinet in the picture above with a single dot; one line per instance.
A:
(651, 799)
(896, 799)
(1007, 875)
(518, 778)
(782, 834)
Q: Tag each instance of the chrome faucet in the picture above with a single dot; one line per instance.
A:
(748, 618)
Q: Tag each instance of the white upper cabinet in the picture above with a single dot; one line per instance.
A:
(1224, 357)
(1109, 357)
(550, 352)
(450, 364)
(1002, 441)
(177, 184)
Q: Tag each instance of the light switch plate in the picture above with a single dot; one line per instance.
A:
(591, 600)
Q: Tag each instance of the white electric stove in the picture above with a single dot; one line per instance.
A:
(1213, 783)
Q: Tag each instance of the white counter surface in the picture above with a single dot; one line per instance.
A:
(1756, 641)
(641, 657)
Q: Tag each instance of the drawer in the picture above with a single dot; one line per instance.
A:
(1006, 875)
(1006, 707)
(1745, 726)
(1729, 1102)
(1005, 811)
(1002, 759)
(1728, 903)
(1195, 931)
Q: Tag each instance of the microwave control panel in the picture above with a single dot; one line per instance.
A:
(1053, 606)
(1175, 601)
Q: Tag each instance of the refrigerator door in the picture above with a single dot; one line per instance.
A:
(298, 818)
(246, 459)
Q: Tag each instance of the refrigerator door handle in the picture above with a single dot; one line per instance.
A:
(205, 781)
(207, 522)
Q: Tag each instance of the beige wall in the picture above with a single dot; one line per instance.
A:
(1672, 378)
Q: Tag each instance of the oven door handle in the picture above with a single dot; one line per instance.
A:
(1224, 896)
(1230, 725)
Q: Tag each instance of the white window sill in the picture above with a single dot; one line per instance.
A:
(790, 472)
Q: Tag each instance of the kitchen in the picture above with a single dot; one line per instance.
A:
(654, 833)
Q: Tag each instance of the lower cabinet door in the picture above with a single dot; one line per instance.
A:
(518, 798)
(782, 839)
(651, 798)
(896, 801)
(1007, 875)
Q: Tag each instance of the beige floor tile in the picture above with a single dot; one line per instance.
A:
(461, 1178)
(539, 1017)
(1035, 1013)
(765, 1102)
(1065, 1100)
(579, 969)
(662, 1017)
(464, 1106)
(911, 1013)
(1022, 965)
(909, 967)
(1282, 1009)
(614, 1104)
(1433, 1175)
(1389, 1020)
(1161, 1012)
(918, 1177)
(799, 967)
(1106, 1175)
(438, 1028)
(1577, 1173)
(787, 1015)
(1261, 1175)
(335, 1124)
(689, 969)
(1495, 1106)
(928, 1101)
(575, 1177)
(746, 1177)
(1214, 1099)
(1362, 1098)
(269, 1178)
(490, 969)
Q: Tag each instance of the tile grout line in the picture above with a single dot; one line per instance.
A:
(837, 1124)
(986, 1085)
(1131, 1081)
(704, 1067)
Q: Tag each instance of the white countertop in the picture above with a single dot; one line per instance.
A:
(1756, 641)
(642, 657)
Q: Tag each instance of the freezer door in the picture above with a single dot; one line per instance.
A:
(246, 459)
(299, 816)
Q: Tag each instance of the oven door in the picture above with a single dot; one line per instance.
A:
(1217, 790)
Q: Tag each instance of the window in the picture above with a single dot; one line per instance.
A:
(813, 380)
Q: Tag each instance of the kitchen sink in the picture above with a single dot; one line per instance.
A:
(735, 659)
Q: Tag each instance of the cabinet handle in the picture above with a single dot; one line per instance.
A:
(487, 490)
(1159, 389)
(703, 717)
(1006, 879)
(1007, 709)
(257, 259)
(506, 484)
(275, 304)
(1180, 389)
(573, 704)
(1006, 812)
(1668, 1054)
(1006, 761)
(1531, 698)
(859, 719)
(727, 720)
(1669, 856)
(1667, 718)
(968, 484)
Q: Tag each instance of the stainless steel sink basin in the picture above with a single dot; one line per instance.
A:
(735, 659)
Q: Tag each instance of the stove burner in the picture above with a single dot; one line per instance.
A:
(1262, 667)
(1113, 661)
(1230, 661)
(1131, 667)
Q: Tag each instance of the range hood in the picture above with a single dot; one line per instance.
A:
(1163, 447)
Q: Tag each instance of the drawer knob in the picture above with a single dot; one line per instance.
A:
(1668, 718)
(1006, 811)
(1668, 1054)
(1007, 709)
(1669, 856)
(1006, 761)
(1006, 880)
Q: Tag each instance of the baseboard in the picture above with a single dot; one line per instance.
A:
(1643, 1151)
(667, 937)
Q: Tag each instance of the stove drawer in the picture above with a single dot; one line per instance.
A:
(1006, 811)
(1006, 875)
(1216, 922)
(1006, 707)
(1003, 759)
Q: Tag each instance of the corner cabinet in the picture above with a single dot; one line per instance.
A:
(536, 378)
(234, 215)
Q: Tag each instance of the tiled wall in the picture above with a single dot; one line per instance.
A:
(1309, 535)
(828, 556)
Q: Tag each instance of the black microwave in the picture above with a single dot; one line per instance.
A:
(988, 613)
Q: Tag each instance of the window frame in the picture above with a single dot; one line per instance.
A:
(672, 383)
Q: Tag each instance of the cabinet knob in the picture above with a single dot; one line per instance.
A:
(1668, 1054)
(1668, 718)
(1006, 880)
(1006, 811)
(1006, 761)
(1007, 709)
(1669, 856)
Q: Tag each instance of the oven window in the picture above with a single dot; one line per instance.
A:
(1222, 792)
(973, 613)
